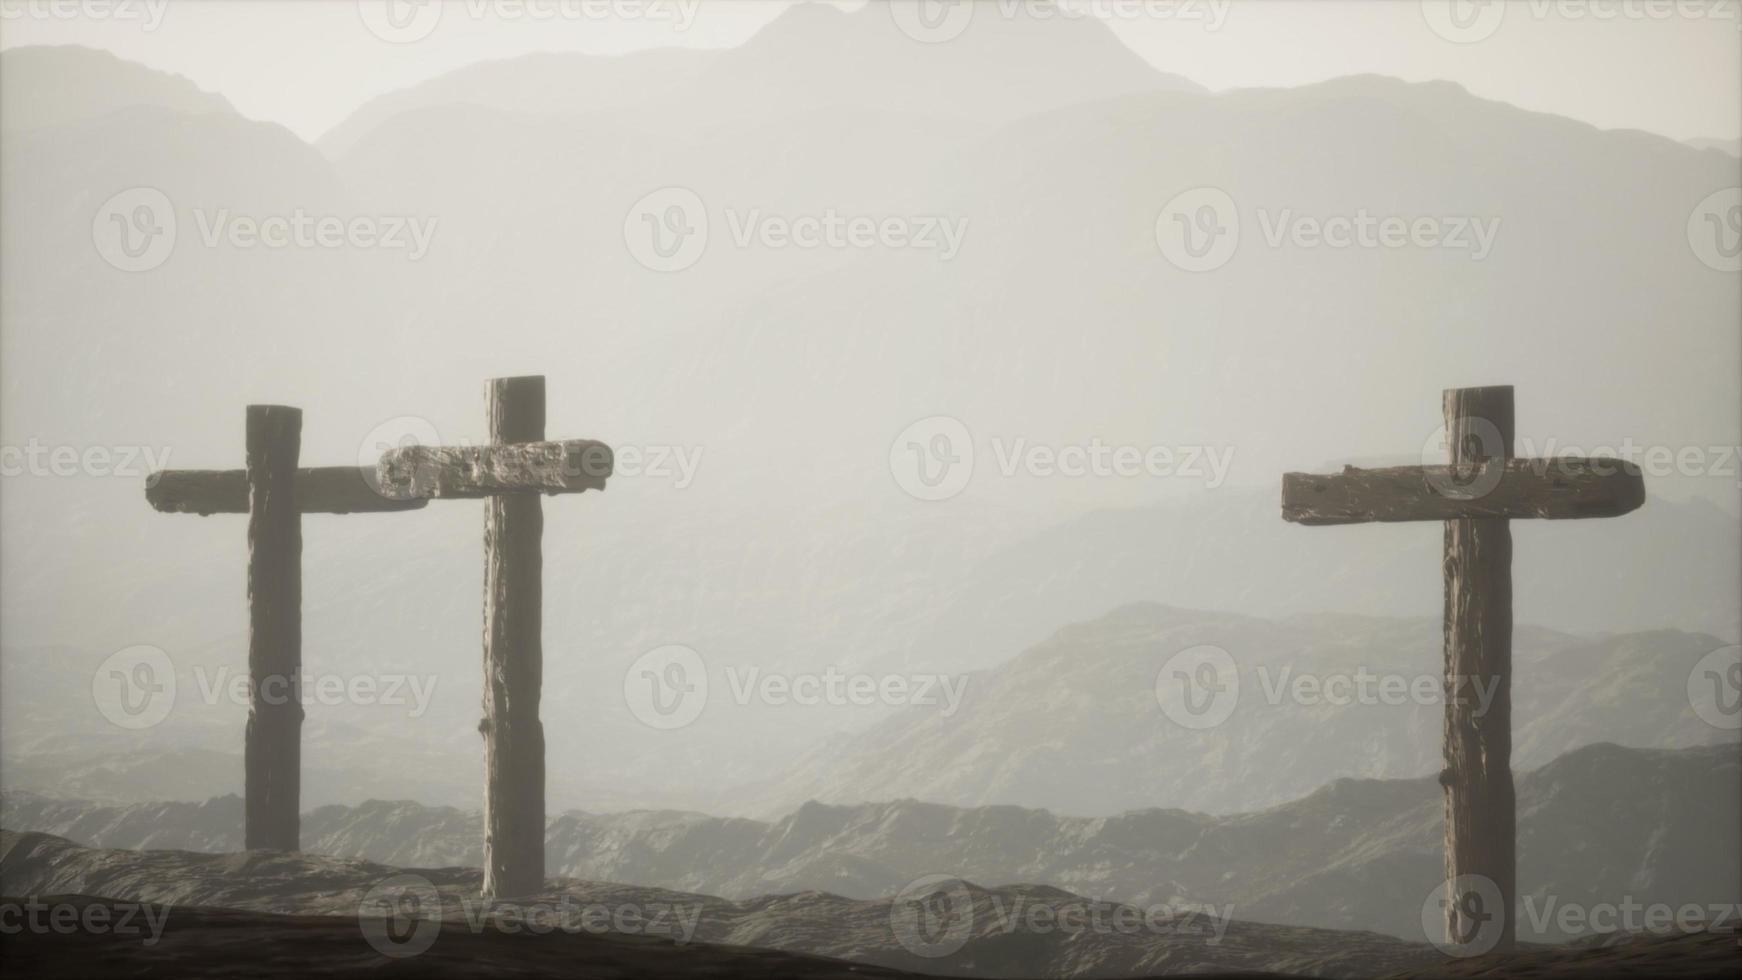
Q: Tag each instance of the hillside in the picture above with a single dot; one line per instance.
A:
(1352, 855)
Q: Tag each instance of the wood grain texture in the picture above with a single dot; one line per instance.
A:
(1553, 489)
(272, 753)
(423, 472)
(1481, 807)
(319, 490)
(513, 656)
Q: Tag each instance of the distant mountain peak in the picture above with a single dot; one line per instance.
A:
(65, 85)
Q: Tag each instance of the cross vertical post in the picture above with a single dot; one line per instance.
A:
(1481, 809)
(272, 754)
(513, 657)
(511, 472)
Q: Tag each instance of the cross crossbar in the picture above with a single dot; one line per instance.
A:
(465, 472)
(319, 490)
(1558, 489)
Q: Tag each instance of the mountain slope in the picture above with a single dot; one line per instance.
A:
(989, 931)
(810, 58)
(1064, 724)
(67, 85)
(1596, 825)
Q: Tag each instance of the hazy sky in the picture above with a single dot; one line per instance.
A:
(1669, 66)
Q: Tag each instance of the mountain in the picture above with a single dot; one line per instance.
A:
(1356, 854)
(1732, 147)
(1049, 727)
(813, 57)
(1064, 724)
(790, 373)
(69, 85)
(1026, 930)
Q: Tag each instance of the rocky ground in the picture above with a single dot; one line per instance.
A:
(961, 930)
(176, 913)
(199, 943)
(1597, 825)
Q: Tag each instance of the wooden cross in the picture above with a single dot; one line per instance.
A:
(273, 492)
(510, 474)
(1476, 495)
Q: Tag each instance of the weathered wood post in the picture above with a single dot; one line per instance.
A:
(513, 657)
(511, 472)
(1477, 494)
(274, 493)
(1481, 809)
(272, 754)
